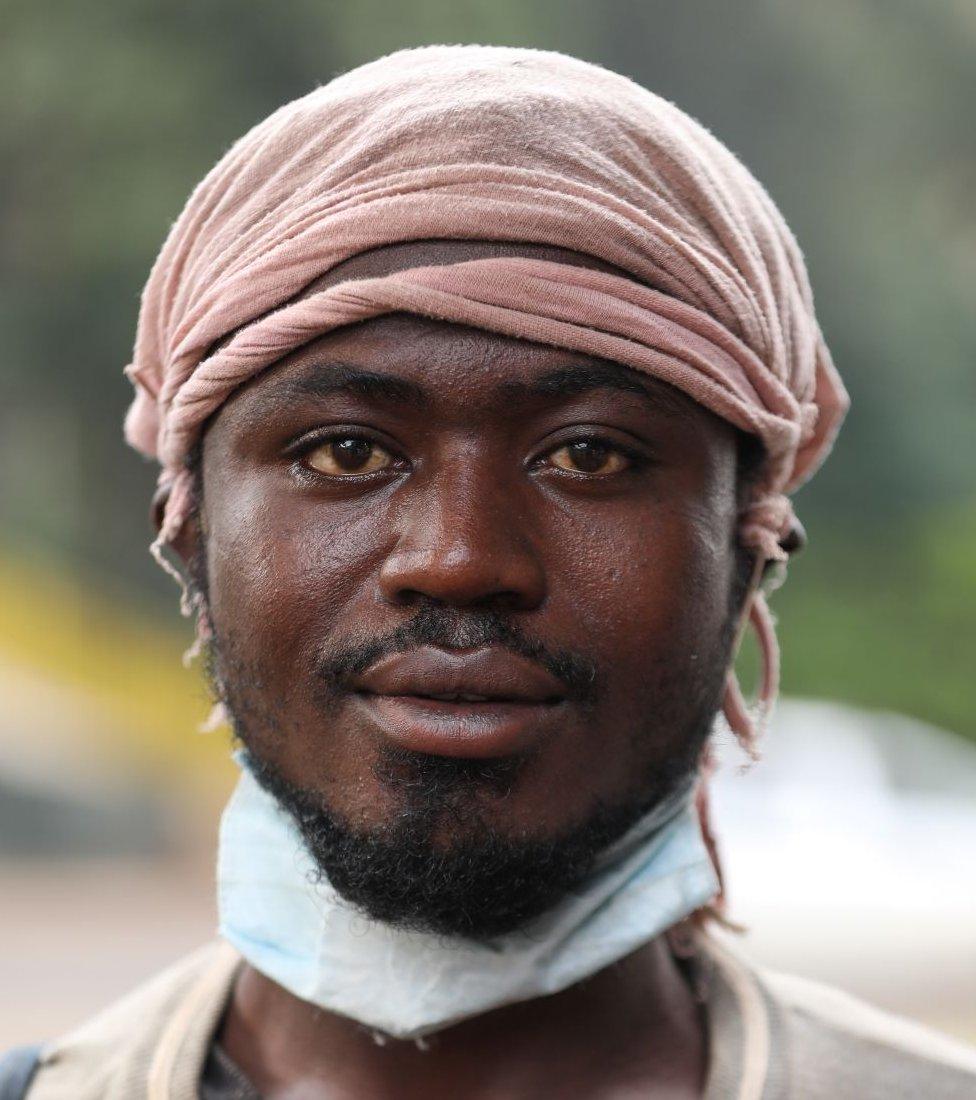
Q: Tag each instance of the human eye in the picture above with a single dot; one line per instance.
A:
(345, 455)
(590, 457)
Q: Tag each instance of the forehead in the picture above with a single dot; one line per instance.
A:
(448, 364)
(437, 369)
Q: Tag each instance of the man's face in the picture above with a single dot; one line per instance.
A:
(472, 604)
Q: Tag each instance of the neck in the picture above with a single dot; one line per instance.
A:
(634, 1022)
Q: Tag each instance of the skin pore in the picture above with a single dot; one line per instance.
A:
(407, 487)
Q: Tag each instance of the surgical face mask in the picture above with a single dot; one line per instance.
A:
(292, 926)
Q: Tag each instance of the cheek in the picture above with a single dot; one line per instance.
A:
(645, 596)
(282, 567)
(650, 602)
(648, 586)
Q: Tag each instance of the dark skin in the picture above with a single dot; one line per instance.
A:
(601, 518)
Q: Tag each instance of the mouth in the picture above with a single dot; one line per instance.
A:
(465, 697)
(484, 702)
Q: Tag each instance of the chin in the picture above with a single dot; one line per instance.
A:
(446, 858)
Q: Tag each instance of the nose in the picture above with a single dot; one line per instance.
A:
(463, 542)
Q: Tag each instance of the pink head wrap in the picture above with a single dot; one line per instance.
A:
(504, 145)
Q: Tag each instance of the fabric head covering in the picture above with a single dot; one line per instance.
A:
(496, 144)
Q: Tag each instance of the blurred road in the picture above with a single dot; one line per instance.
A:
(74, 936)
(849, 857)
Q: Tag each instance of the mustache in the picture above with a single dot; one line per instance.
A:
(449, 628)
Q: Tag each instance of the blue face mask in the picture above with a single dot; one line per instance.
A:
(295, 929)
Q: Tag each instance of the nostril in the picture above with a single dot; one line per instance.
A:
(471, 589)
(474, 565)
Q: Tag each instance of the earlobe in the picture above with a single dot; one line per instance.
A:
(791, 543)
(795, 539)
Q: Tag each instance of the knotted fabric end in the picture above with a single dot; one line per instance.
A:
(765, 524)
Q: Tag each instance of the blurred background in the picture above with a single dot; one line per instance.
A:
(850, 848)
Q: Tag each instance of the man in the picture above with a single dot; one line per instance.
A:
(478, 378)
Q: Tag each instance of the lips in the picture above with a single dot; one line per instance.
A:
(485, 702)
(477, 675)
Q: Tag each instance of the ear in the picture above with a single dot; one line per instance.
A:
(187, 541)
(795, 538)
(792, 542)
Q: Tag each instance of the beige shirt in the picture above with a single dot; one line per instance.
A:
(770, 1037)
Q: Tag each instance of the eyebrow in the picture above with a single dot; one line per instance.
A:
(572, 381)
(327, 379)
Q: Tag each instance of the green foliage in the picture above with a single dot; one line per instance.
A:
(881, 614)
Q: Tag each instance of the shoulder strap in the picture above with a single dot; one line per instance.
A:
(17, 1069)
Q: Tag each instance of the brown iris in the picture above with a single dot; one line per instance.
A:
(589, 457)
(348, 455)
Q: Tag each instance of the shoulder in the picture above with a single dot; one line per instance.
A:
(801, 1039)
(844, 1047)
(111, 1056)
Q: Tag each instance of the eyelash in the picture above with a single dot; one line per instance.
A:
(305, 445)
(636, 459)
(300, 448)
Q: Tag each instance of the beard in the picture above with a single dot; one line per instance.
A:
(482, 884)
(438, 864)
